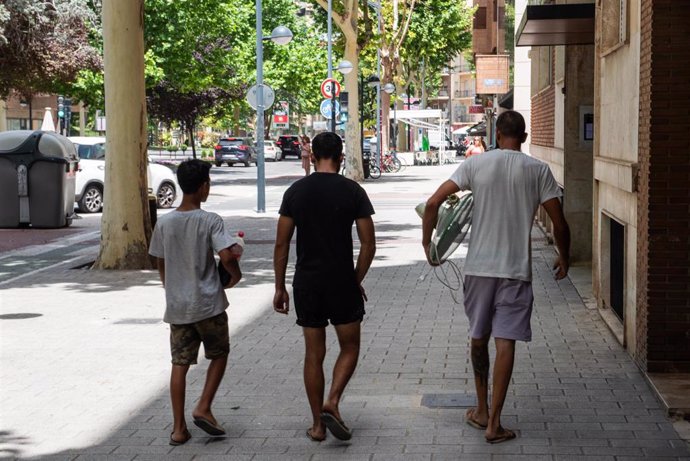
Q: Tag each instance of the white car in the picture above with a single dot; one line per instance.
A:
(271, 151)
(91, 177)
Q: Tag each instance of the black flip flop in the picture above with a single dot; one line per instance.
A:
(208, 427)
(336, 426)
(506, 435)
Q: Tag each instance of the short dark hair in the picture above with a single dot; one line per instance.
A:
(327, 145)
(511, 124)
(192, 174)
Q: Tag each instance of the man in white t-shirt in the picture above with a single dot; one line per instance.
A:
(508, 186)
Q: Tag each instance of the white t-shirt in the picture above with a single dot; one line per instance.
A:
(187, 240)
(508, 186)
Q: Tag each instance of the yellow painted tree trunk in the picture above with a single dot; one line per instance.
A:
(3, 115)
(126, 224)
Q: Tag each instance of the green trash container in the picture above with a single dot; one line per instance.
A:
(37, 179)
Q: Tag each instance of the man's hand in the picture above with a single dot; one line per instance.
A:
(281, 301)
(561, 266)
(427, 252)
(364, 293)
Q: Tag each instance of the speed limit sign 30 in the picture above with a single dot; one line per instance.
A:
(328, 86)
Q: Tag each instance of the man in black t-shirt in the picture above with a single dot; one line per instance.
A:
(327, 285)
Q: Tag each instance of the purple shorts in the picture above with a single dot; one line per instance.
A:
(499, 307)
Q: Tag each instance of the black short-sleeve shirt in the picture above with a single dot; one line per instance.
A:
(324, 207)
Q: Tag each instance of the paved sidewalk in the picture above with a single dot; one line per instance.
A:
(85, 365)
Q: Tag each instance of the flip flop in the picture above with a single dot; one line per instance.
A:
(336, 426)
(208, 427)
(315, 439)
(506, 435)
(472, 422)
(176, 443)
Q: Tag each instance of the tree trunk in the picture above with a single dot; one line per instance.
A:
(192, 139)
(3, 115)
(82, 119)
(236, 120)
(126, 224)
(353, 141)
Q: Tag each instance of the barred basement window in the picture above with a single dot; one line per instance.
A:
(613, 24)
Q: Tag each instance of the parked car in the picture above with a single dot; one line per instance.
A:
(272, 151)
(366, 148)
(289, 145)
(90, 178)
(235, 150)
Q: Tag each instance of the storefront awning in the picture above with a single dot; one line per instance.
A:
(550, 25)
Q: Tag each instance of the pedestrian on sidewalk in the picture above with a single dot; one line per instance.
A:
(508, 186)
(327, 285)
(305, 145)
(183, 242)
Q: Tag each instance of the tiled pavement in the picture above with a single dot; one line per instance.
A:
(86, 377)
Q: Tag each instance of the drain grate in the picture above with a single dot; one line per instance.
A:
(448, 401)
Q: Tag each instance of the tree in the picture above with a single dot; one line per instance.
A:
(126, 224)
(169, 105)
(44, 44)
(345, 16)
(439, 31)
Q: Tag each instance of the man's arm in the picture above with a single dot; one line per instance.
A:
(431, 214)
(231, 265)
(561, 233)
(367, 249)
(281, 299)
(160, 262)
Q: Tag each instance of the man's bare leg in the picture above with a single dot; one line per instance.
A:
(178, 385)
(503, 371)
(349, 340)
(214, 376)
(480, 365)
(314, 381)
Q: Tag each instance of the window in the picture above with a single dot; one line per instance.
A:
(480, 18)
(613, 23)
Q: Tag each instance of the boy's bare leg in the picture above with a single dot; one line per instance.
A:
(314, 381)
(214, 376)
(503, 371)
(349, 340)
(178, 385)
(480, 365)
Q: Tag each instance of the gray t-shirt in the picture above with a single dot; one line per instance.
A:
(508, 187)
(187, 240)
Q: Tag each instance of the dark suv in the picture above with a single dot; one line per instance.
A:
(235, 150)
(289, 145)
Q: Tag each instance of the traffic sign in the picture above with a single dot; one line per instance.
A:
(269, 97)
(327, 108)
(327, 88)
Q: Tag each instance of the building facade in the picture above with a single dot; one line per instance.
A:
(609, 92)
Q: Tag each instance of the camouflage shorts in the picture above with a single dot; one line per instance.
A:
(185, 339)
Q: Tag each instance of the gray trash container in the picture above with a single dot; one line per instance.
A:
(37, 179)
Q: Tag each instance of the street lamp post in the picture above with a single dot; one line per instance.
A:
(390, 88)
(371, 81)
(281, 35)
(344, 67)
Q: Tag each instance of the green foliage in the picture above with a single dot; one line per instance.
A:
(183, 148)
(439, 31)
(43, 45)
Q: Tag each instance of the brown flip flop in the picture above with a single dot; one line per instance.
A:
(315, 439)
(176, 443)
(506, 435)
(473, 422)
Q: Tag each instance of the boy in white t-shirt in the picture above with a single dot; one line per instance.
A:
(507, 186)
(184, 242)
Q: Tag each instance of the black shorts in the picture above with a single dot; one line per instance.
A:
(315, 308)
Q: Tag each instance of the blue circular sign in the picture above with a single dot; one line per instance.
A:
(327, 108)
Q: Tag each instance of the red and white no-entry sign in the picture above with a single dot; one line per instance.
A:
(328, 86)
